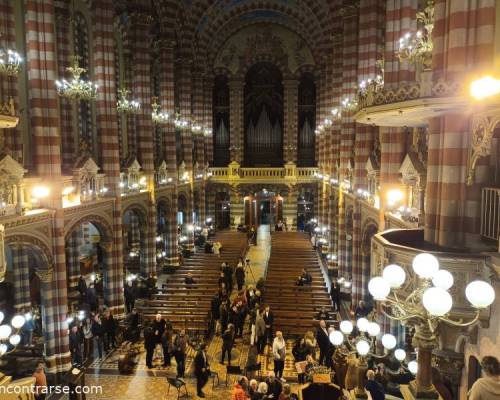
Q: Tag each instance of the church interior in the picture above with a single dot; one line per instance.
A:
(308, 187)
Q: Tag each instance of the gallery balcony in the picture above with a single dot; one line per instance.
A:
(409, 105)
(289, 174)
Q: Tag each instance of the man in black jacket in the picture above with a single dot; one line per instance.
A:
(228, 276)
(149, 344)
(335, 295)
(269, 321)
(75, 345)
(201, 370)
(240, 276)
(323, 342)
(227, 343)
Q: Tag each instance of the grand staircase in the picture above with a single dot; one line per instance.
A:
(295, 307)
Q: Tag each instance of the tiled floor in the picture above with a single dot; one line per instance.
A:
(259, 255)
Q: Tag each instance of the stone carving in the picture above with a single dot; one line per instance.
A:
(263, 44)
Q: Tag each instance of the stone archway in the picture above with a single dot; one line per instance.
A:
(135, 232)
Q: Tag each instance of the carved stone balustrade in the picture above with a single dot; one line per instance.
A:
(132, 179)
(8, 118)
(411, 104)
(88, 184)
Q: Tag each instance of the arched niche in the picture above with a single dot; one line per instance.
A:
(221, 121)
(306, 121)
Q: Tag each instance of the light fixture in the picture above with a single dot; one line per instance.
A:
(40, 191)
(389, 341)
(158, 116)
(126, 106)
(10, 62)
(68, 190)
(399, 354)
(9, 334)
(379, 288)
(336, 338)
(484, 87)
(77, 88)
(394, 275)
(346, 327)
(425, 307)
(417, 47)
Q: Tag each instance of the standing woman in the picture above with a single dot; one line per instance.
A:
(88, 338)
(279, 354)
(227, 343)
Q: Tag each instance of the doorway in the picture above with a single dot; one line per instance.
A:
(265, 212)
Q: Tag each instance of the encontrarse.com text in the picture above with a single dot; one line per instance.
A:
(12, 389)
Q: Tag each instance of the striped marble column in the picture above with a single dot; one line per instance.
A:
(207, 111)
(12, 137)
(105, 74)
(142, 43)
(458, 40)
(66, 106)
(73, 244)
(290, 119)
(166, 45)
(21, 268)
(45, 127)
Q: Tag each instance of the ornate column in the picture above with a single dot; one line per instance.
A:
(45, 127)
(290, 119)
(236, 128)
(107, 128)
(237, 208)
(290, 209)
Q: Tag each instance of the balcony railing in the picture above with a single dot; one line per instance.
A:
(490, 213)
(289, 173)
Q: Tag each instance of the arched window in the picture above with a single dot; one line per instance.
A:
(307, 118)
(221, 121)
(81, 49)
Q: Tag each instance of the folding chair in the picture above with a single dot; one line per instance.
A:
(178, 384)
(233, 370)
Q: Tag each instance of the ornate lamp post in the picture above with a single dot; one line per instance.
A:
(364, 344)
(9, 333)
(425, 306)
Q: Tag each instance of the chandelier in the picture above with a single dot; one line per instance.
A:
(158, 116)
(181, 123)
(363, 344)
(77, 88)
(207, 132)
(9, 333)
(425, 305)
(10, 62)
(417, 48)
(126, 106)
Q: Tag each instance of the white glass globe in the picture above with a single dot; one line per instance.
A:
(389, 341)
(443, 279)
(413, 367)
(346, 327)
(379, 288)
(480, 294)
(2, 316)
(3, 349)
(362, 324)
(15, 340)
(373, 329)
(363, 347)
(437, 301)
(5, 331)
(394, 275)
(336, 338)
(400, 354)
(425, 265)
(18, 321)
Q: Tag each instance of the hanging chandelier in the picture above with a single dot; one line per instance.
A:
(417, 48)
(158, 116)
(10, 62)
(77, 88)
(126, 106)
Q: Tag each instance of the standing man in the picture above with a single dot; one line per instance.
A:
(323, 342)
(180, 346)
(228, 276)
(227, 343)
(149, 344)
(260, 332)
(269, 321)
(240, 276)
(279, 355)
(75, 348)
(201, 370)
(335, 295)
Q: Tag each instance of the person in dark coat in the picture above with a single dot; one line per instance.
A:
(362, 310)
(167, 344)
(228, 277)
(129, 294)
(82, 287)
(227, 343)
(158, 327)
(323, 340)
(376, 390)
(274, 386)
(98, 334)
(92, 297)
(201, 370)
(240, 276)
(335, 295)
(189, 280)
(305, 278)
(149, 345)
(224, 316)
(75, 345)
(109, 324)
(269, 321)
(180, 346)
